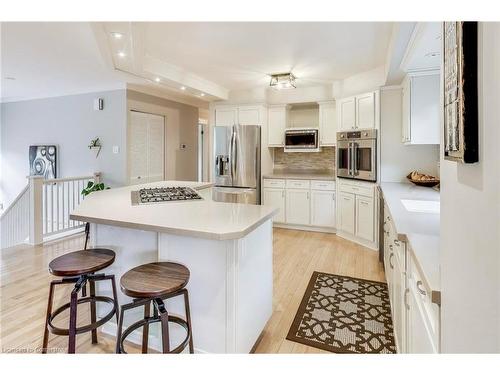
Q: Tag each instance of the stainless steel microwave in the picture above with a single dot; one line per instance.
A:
(357, 154)
(301, 140)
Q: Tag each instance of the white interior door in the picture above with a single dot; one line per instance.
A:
(156, 148)
(138, 156)
(146, 148)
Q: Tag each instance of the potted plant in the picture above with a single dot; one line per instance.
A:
(91, 187)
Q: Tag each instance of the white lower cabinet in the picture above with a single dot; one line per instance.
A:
(364, 217)
(302, 203)
(298, 207)
(347, 212)
(356, 211)
(276, 198)
(323, 208)
(415, 318)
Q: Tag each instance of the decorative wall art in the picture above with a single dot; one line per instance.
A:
(460, 63)
(43, 161)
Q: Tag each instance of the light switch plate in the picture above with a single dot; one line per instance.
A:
(116, 149)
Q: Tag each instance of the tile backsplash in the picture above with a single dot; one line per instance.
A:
(325, 159)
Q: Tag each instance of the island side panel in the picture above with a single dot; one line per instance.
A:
(133, 248)
(230, 288)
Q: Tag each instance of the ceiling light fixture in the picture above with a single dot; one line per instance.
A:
(121, 54)
(432, 54)
(116, 35)
(282, 81)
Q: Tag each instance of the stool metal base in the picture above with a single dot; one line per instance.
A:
(160, 315)
(80, 285)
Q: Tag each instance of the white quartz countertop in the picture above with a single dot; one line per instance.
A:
(203, 219)
(420, 230)
(407, 222)
(302, 175)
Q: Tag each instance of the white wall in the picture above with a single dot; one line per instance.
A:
(470, 223)
(69, 122)
(397, 160)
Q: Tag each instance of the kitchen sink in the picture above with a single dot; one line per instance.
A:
(428, 207)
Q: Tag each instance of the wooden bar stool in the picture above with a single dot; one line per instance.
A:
(155, 282)
(79, 268)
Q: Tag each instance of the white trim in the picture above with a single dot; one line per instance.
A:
(305, 228)
(99, 89)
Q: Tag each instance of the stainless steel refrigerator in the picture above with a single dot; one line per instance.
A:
(237, 164)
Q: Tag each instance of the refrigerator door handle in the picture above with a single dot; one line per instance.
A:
(231, 154)
(235, 153)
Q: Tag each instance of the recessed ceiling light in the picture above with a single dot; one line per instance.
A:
(116, 35)
(157, 79)
(202, 94)
(432, 54)
(183, 88)
(121, 54)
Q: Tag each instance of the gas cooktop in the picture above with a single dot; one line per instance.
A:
(164, 194)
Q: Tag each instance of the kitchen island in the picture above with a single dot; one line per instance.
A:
(227, 248)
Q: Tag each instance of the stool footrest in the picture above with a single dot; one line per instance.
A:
(87, 328)
(147, 321)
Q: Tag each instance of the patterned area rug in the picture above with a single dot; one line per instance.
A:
(344, 315)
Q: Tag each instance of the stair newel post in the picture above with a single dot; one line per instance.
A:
(36, 210)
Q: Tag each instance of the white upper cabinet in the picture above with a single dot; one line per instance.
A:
(420, 122)
(359, 112)
(277, 118)
(365, 111)
(226, 116)
(249, 115)
(327, 124)
(347, 113)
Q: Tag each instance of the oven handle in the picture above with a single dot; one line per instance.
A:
(355, 159)
(349, 158)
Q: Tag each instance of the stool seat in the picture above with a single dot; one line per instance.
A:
(81, 262)
(154, 280)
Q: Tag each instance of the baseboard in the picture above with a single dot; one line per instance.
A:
(350, 237)
(305, 228)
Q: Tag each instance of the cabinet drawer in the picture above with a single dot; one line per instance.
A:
(323, 185)
(274, 183)
(358, 190)
(429, 310)
(298, 184)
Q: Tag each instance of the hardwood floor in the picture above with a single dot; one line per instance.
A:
(24, 282)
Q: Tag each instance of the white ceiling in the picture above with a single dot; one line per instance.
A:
(49, 59)
(241, 55)
(424, 48)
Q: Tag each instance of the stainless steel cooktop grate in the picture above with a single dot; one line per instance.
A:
(164, 194)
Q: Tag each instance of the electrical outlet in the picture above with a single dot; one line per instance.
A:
(116, 149)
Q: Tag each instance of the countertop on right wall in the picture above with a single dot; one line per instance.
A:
(418, 227)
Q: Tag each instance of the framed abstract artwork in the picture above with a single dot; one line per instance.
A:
(460, 71)
(43, 161)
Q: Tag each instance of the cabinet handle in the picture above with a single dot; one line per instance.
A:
(420, 290)
(390, 259)
(407, 290)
